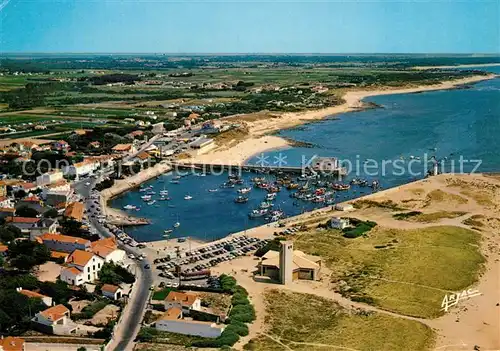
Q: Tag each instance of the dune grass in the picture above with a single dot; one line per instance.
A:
(442, 196)
(416, 216)
(404, 271)
(309, 322)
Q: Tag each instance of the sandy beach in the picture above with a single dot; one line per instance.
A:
(259, 141)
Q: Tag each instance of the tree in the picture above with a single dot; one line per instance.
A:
(25, 211)
(25, 254)
(52, 213)
(111, 273)
(9, 233)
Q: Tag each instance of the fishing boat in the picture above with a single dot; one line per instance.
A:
(188, 197)
(257, 213)
(340, 186)
(213, 190)
(130, 207)
(265, 205)
(270, 196)
(163, 192)
(244, 190)
(151, 193)
(241, 199)
(146, 197)
(164, 198)
(177, 224)
(168, 231)
(176, 177)
(151, 202)
(292, 186)
(273, 189)
(174, 182)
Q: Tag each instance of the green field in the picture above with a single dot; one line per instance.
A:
(305, 322)
(16, 119)
(404, 271)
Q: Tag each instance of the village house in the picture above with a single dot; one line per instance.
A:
(112, 292)
(7, 212)
(64, 243)
(11, 343)
(55, 320)
(158, 128)
(135, 134)
(47, 300)
(108, 250)
(60, 145)
(172, 321)
(94, 145)
(79, 169)
(142, 158)
(184, 301)
(49, 178)
(83, 267)
(6, 202)
(124, 148)
(57, 193)
(33, 202)
(33, 227)
(75, 210)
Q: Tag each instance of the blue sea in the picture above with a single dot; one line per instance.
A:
(459, 128)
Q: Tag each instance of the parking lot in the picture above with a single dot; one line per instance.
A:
(192, 268)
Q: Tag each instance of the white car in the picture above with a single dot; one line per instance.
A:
(131, 256)
(87, 184)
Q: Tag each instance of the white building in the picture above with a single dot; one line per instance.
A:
(55, 320)
(49, 178)
(184, 301)
(158, 128)
(108, 250)
(112, 292)
(83, 267)
(339, 223)
(202, 145)
(79, 169)
(173, 322)
(47, 300)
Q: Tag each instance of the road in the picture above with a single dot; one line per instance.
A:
(131, 318)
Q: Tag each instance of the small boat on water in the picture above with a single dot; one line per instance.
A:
(241, 199)
(265, 205)
(163, 192)
(146, 197)
(174, 182)
(177, 225)
(257, 213)
(244, 190)
(151, 202)
(270, 196)
(151, 193)
(213, 190)
(168, 231)
(188, 197)
(130, 207)
(164, 198)
(340, 186)
(176, 177)
(292, 186)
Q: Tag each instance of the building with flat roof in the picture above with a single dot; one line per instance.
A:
(172, 321)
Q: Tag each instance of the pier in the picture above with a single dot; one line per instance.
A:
(322, 165)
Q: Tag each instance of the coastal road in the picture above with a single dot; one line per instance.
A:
(131, 318)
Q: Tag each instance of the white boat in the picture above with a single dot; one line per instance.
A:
(174, 181)
(244, 190)
(130, 207)
(146, 197)
(257, 213)
(176, 177)
(164, 198)
(265, 205)
(188, 197)
(271, 196)
(152, 202)
(177, 225)
(212, 190)
(164, 192)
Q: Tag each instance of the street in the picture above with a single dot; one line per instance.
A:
(131, 318)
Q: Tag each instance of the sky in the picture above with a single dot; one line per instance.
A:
(238, 26)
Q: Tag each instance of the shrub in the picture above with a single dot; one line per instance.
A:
(147, 334)
(242, 313)
(228, 337)
(239, 299)
(238, 328)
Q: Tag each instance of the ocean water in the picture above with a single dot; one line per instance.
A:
(449, 125)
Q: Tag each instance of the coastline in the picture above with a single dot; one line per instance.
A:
(259, 140)
(423, 68)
